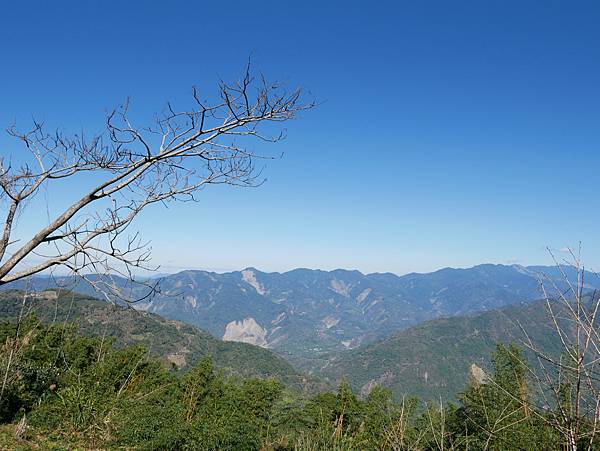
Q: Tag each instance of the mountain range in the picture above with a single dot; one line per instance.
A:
(306, 314)
(416, 334)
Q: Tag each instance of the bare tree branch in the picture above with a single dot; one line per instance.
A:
(171, 160)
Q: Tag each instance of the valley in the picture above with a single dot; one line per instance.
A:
(417, 333)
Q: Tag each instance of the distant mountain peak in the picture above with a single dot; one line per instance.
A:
(249, 276)
(252, 269)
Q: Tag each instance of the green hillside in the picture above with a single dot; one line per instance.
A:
(174, 342)
(62, 390)
(433, 359)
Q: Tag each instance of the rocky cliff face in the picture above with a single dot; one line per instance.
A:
(246, 331)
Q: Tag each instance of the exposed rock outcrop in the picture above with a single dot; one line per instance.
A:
(247, 331)
(477, 373)
(250, 278)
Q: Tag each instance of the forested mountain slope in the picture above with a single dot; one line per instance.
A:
(433, 359)
(176, 343)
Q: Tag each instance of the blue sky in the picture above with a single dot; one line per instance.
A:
(449, 133)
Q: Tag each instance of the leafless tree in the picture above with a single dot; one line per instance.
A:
(569, 384)
(130, 168)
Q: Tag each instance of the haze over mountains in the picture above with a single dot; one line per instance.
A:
(303, 314)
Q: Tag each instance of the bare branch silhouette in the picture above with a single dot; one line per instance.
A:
(134, 167)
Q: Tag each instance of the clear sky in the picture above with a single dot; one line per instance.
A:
(449, 134)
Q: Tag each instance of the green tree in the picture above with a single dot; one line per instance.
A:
(497, 411)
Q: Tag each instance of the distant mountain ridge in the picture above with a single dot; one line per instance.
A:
(303, 314)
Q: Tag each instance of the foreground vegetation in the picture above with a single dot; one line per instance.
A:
(63, 390)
